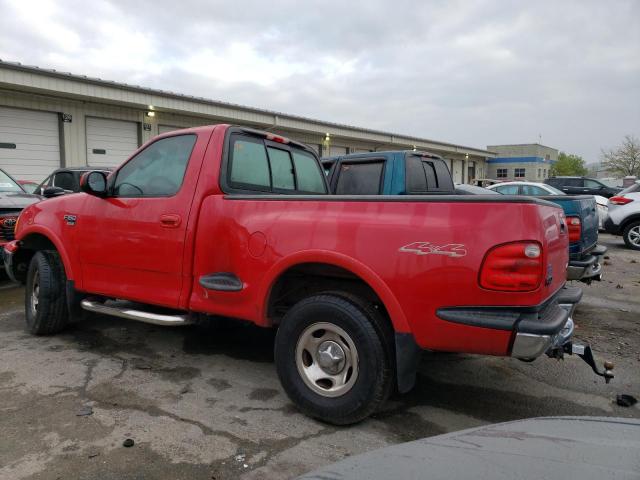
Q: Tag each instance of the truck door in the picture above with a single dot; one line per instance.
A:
(131, 244)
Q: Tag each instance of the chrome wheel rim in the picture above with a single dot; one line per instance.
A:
(35, 293)
(634, 236)
(327, 359)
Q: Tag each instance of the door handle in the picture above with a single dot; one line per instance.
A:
(170, 220)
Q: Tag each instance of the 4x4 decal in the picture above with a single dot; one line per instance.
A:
(427, 248)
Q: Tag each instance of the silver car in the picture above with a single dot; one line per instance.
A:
(623, 217)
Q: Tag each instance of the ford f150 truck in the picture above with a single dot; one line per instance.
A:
(402, 173)
(225, 221)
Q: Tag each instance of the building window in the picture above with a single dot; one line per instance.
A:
(502, 173)
(539, 172)
(519, 173)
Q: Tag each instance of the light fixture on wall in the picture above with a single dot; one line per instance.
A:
(150, 114)
(466, 156)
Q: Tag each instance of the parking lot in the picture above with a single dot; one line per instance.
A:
(202, 405)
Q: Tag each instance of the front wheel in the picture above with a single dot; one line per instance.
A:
(333, 360)
(631, 235)
(45, 296)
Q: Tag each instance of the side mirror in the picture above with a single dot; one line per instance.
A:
(94, 183)
(50, 192)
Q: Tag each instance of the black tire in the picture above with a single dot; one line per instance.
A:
(366, 328)
(630, 229)
(46, 282)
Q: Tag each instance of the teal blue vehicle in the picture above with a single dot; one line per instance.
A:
(421, 173)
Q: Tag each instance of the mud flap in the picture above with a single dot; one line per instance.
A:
(408, 355)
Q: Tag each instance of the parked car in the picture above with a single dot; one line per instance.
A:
(401, 173)
(65, 180)
(225, 221)
(542, 189)
(12, 200)
(585, 448)
(624, 216)
(465, 189)
(582, 186)
(28, 186)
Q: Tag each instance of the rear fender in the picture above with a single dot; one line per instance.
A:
(391, 304)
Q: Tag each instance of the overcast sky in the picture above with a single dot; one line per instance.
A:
(470, 72)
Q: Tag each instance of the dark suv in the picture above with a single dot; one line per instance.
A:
(582, 186)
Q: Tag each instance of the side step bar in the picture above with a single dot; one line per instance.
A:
(139, 315)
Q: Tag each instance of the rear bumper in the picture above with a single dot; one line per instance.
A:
(589, 267)
(536, 329)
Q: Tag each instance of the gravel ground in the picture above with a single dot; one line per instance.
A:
(204, 406)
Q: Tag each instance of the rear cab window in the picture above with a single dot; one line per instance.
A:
(255, 164)
(427, 174)
(360, 178)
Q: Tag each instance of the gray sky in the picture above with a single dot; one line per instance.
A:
(472, 72)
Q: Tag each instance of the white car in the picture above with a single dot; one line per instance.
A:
(541, 189)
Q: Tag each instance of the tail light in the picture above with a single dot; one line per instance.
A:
(575, 229)
(513, 267)
(619, 200)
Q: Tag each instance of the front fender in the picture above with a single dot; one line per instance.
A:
(31, 230)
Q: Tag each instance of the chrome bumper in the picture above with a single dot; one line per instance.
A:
(529, 346)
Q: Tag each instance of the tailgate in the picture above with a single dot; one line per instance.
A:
(583, 206)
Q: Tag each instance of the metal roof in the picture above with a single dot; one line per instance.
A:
(167, 94)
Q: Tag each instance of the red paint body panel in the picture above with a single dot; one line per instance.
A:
(120, 248)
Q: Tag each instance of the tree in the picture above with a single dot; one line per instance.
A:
(625, 159)
(568, 164)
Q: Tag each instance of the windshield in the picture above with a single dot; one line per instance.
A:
(8, 184)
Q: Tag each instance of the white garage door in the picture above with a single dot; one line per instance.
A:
(29, 143)
(110, 142)
(335, 151)
(167, 128)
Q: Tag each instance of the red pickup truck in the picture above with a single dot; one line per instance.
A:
(224, 221)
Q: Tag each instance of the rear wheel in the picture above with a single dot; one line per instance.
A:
(631, 235)
(45, 296)
(332, 358)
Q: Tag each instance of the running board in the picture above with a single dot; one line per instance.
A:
(139, 315)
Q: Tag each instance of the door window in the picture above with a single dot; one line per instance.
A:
(508, 189)
(588, 183)
(157, 171)
(533, 190)
(363, 178)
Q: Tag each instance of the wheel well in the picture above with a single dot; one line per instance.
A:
(28, 248)
(307, 279)
(627, 221)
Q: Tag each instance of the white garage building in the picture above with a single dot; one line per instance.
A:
(50, 119)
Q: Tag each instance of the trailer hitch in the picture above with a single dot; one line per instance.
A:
(586, 354)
